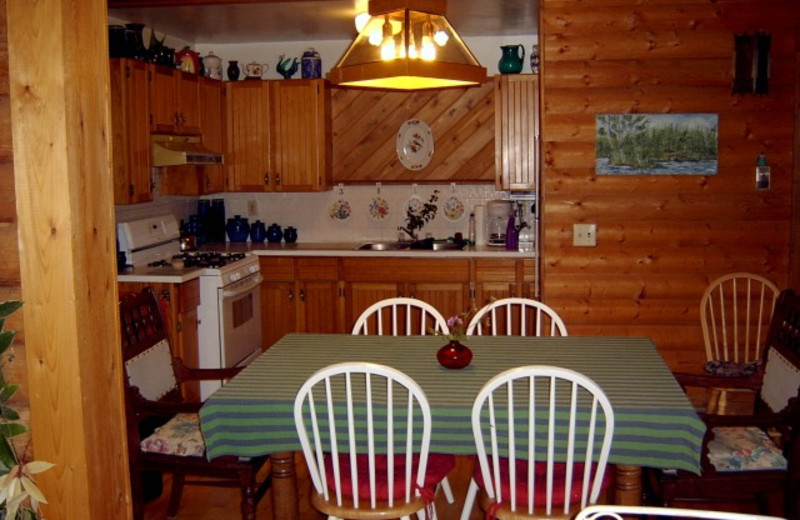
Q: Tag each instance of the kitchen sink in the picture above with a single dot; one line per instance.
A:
(384, 246)
(420, 245)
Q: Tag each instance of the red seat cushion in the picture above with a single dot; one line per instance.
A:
(540, 481)
(439, 465)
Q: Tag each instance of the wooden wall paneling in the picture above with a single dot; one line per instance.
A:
(365, 125)
(65, 220)
(661, 239)
(794, 255)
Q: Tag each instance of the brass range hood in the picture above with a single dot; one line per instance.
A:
(180, 150)
(407, 45)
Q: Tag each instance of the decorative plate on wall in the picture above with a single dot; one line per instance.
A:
(453, 209)
(378, 208)
(414, 144)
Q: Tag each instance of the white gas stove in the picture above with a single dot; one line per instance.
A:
(229, 315)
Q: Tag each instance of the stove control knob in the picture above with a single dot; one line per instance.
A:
(252, 269)
(235, 276)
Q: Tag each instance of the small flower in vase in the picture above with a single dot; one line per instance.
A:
(455, 355)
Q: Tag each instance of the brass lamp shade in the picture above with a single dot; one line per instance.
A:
(407, 45)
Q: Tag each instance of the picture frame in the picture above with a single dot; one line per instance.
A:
(656, 144)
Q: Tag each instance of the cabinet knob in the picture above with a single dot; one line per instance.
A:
(302, 295)
(266, 178)
(278, 178)
(291, 295)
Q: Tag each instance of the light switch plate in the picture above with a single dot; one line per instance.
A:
(584, 235)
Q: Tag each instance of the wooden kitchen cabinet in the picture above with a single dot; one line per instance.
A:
(328, 294)
(196, 180)
(442, 283)
(181, 301)
(278, 301)
(502, 278)
(278, 135)
(174, 101)
(299, 295)
(517, 143)
(130, 132)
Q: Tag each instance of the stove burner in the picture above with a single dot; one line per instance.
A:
(159, 263)
(213, 260)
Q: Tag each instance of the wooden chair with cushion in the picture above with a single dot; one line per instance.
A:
(645, 512)
(365, 431)
(735, 313)
(556, 425)
(163, 429)
(400, 317)
(517, 317)
(750, 457)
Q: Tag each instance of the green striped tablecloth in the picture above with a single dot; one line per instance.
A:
(656, 425)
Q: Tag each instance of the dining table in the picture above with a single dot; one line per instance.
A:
(655, 423)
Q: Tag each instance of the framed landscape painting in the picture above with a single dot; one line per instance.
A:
(656, 144)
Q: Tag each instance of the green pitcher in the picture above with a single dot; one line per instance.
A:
(511, 59)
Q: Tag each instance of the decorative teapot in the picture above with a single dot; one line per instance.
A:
(287, 67)
(254, 70)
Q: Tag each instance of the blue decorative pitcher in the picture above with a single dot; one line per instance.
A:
(511, 59)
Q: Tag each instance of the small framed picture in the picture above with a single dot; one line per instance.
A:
(762, 177)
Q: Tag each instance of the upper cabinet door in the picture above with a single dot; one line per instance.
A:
(130, 132)
(301, 135)
(517, 143)
(248, 148)
(174, 101)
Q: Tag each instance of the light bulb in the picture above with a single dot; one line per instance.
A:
(361, 21)
(428, 52)
(412, 51)
(375, 37)
(441, 38)
(387, 44)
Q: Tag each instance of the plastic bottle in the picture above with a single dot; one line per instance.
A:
(512, 233)
(471, 234)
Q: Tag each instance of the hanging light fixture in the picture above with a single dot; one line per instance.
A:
(407, 45)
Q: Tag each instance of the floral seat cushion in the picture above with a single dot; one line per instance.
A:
(181, 435)
(744, 449)
(731, 369)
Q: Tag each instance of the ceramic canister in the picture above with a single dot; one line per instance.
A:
(213, 65)
(311, 64)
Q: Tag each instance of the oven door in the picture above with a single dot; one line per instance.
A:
(240, 320)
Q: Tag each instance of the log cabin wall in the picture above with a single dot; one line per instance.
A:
(661, 239)
(14, 367)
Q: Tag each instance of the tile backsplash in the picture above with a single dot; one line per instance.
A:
(349, 213)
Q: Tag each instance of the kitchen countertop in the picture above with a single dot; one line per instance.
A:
(309, 249)
(349, 249)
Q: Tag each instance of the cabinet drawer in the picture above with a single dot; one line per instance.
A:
(404, 270)
(317, 269)
(278, 269)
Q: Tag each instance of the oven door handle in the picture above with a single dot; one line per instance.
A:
(244, 289)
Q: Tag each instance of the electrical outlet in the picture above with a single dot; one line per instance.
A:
(252, 208)
(584, 235)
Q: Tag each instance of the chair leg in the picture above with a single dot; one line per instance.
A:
(175, 494)
(448, 492)
(469, 501)
(713, 401)
(723, 402)
(248, 503)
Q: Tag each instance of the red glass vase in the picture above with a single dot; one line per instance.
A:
(454, 355)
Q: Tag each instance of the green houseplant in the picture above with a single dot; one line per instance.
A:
(19, 495)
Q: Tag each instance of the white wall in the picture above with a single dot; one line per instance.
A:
(485, 48)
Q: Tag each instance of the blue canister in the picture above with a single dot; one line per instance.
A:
(258, 232)
(311, 65)
(274, 233)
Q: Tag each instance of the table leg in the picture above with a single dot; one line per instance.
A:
(628, 490)
(284, 486)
